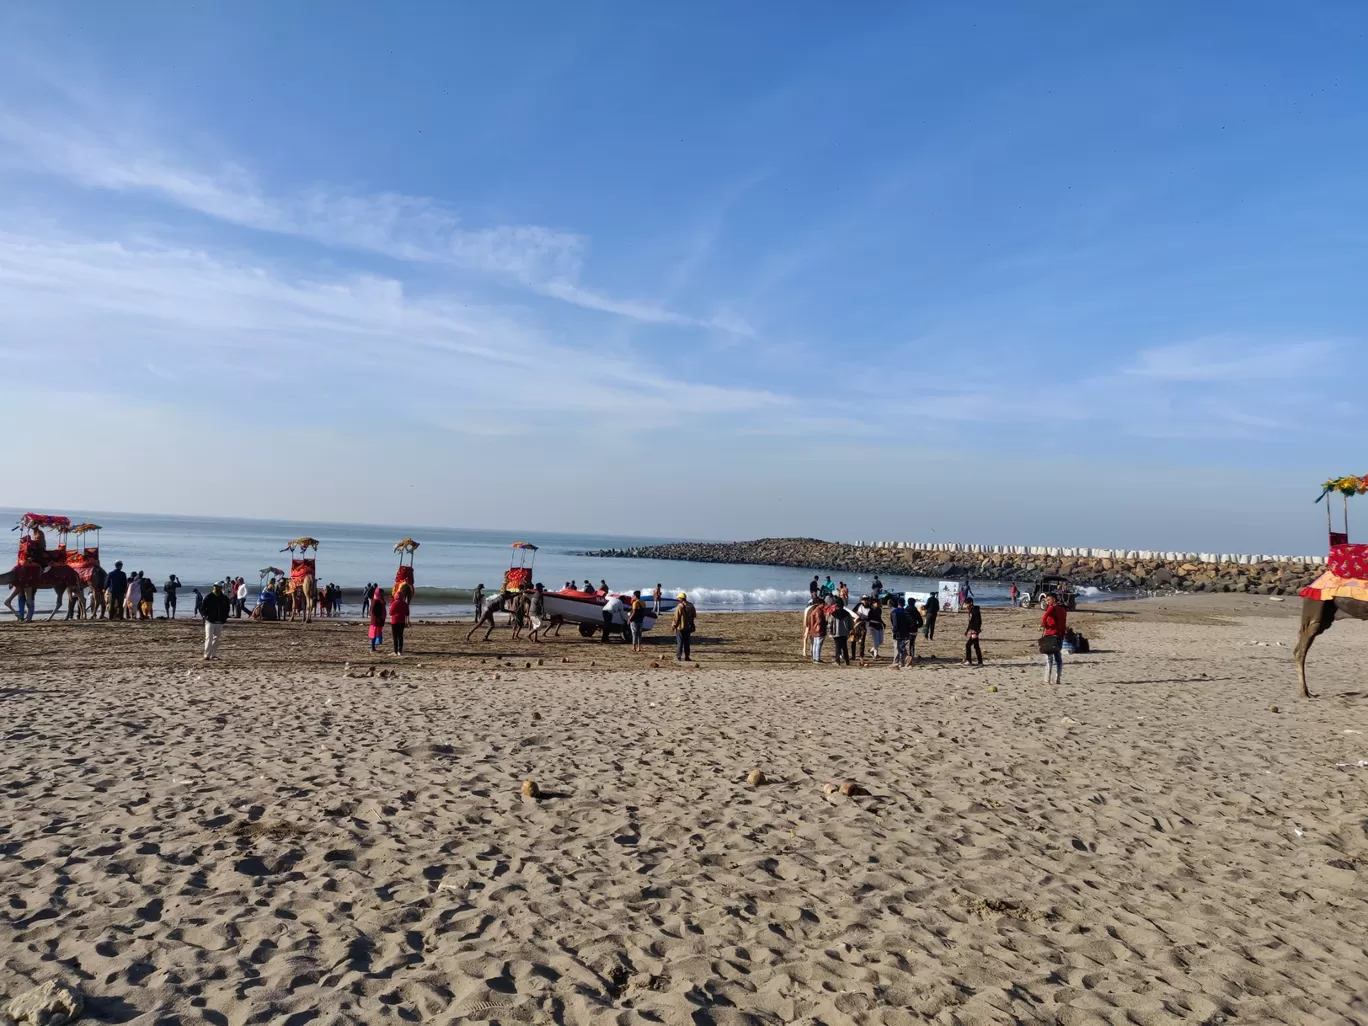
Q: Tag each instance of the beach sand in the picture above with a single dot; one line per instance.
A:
(268, 840)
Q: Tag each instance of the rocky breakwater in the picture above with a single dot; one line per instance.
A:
(1117, 574)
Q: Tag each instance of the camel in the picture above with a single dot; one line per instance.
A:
(303, 595)
(1316, 618)
(59, 577)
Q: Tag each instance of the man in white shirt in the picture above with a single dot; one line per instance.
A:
(241, 598)
(614, 615)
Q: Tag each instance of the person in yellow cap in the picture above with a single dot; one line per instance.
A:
(684, 619)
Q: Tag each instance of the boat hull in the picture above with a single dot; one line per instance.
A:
(580, 607)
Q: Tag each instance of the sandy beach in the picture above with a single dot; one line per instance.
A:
(1170, 836)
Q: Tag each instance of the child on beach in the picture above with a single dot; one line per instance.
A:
(377, 619)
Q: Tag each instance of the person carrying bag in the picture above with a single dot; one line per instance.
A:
(1053, 623)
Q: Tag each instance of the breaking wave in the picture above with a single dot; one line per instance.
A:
(729, 598)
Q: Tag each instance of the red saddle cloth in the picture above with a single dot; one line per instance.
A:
(1349, 562)
(302, 568)
(404, 575)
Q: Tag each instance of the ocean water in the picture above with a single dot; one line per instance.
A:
(449, 562)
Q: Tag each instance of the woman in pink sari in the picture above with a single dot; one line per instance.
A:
(377, 619)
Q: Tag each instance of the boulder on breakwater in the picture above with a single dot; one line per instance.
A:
(1125, 574)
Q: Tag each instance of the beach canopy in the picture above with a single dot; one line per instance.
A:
(524, 545)
(272, 570)
(407, 545)
(45, 520)
(86, 528)
(300, 543)
(1346, 486)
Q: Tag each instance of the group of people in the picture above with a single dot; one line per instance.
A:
(860, 634)
(397, 613)
(133, 596)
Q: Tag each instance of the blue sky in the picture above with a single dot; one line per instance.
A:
(1046, 273)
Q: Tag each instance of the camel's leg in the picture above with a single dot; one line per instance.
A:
(58, 595)
(9, 602)
(1316, 618)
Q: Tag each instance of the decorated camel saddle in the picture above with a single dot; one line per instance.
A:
(1345, 576)
(1346, 567)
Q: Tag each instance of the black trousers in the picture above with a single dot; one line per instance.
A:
(843, 650)
(397, 632)
(930, 629)
(972, 645)
(607, 626)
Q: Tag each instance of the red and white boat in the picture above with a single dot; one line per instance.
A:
(585, 608)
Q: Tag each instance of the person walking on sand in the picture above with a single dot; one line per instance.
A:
(859, 632)
(399, 617)
(538, 612)
(1054, 625)
(844, 592)
(1014, 593)
(914, 623)
(636, 620)
(477, 600)
(655, 599)
(241, 597)
(376, 612)
(214, 609)
(169, 590)
(814, 625)
(839, 626)
(972, 632)
(932, 611)
(874, 622)
(815, 589)
(199, 603)
(685, 619)
(901, 625)
(519, 614)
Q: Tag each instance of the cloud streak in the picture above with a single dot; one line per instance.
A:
(73, 142)
(218, 327)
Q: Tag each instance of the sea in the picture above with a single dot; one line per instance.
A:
(450, 562)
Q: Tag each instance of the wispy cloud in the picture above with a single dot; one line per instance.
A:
(217, 327)
(76, 137)
(1216, 360)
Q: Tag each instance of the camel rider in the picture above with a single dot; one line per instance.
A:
(37, 546)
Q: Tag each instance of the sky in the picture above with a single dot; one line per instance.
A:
(1060, 274)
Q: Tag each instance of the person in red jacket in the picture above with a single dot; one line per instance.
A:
(399, 617)
(1053, 625)
(376, 599)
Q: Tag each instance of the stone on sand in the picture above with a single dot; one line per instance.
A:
(49, 1004)
(853, 790)
(755, 778)
(530, 789)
